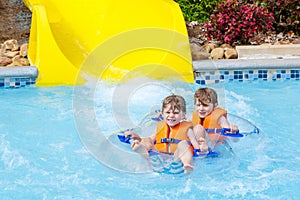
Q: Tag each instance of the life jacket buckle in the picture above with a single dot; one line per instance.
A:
(167, 140)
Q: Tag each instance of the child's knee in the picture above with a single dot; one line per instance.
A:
(199, 132)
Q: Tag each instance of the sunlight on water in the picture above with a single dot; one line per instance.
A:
(45, 135)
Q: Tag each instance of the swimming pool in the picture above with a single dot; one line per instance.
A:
(43, 156)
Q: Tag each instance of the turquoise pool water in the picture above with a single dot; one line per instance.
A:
(44, 153)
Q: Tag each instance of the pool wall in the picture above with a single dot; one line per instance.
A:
(15, 77)
(240, 70)
(205, 72)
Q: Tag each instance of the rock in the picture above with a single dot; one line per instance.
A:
(24, 62)
(217, 53)
(198, 53)
(290, 34)
(20, 62)
(268, 39)
(10, 45)
(16, 58)
(24, 50)
(226, 46)
(280, 35)
(208, 47)
(297, 41)
(10, 54)
(195, 47)
(196, 41)
(15, 64)
(282, 42)
(192, 24)
(201, 55)
(5, 61)
(231, 53)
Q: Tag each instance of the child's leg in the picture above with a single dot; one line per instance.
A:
(202, 138)
(184, 154)
(199, 132)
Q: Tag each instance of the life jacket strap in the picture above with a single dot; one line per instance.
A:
(214, 130)
(169, 140)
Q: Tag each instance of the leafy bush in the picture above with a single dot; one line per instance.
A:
(235, 22)
(197, 10)
(286, 14)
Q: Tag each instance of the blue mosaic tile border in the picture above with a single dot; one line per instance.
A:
(220, 76)
(202, 77)
(16, 77)
(16, 82)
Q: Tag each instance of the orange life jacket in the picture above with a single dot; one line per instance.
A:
(167, 139)
(211, 122)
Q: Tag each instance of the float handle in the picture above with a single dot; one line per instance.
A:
(236, 134)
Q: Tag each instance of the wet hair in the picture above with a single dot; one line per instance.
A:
(176, 102)
(205, 96)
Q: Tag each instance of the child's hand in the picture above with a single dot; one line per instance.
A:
(234, 128)
(135, 145)
(203, 145)
(132, 135)
(139, 142)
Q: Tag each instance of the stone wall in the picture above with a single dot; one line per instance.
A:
(15, 20)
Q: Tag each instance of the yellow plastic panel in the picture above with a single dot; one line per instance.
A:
(107, 39)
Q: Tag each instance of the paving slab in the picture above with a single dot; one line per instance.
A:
(268, 51)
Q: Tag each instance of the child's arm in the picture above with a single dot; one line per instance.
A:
(225, 124)
(140, 145)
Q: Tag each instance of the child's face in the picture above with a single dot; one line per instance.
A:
(172, 117)
(203, 109)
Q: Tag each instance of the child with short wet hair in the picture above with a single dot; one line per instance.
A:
(207, 114)
(172, 135)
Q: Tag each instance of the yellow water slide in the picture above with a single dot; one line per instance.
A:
(113, 40)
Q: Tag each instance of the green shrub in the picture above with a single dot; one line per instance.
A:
(197, 10)
(235, 22)
(286, 14)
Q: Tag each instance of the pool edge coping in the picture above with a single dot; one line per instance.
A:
(235, 64)
(16, 71)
